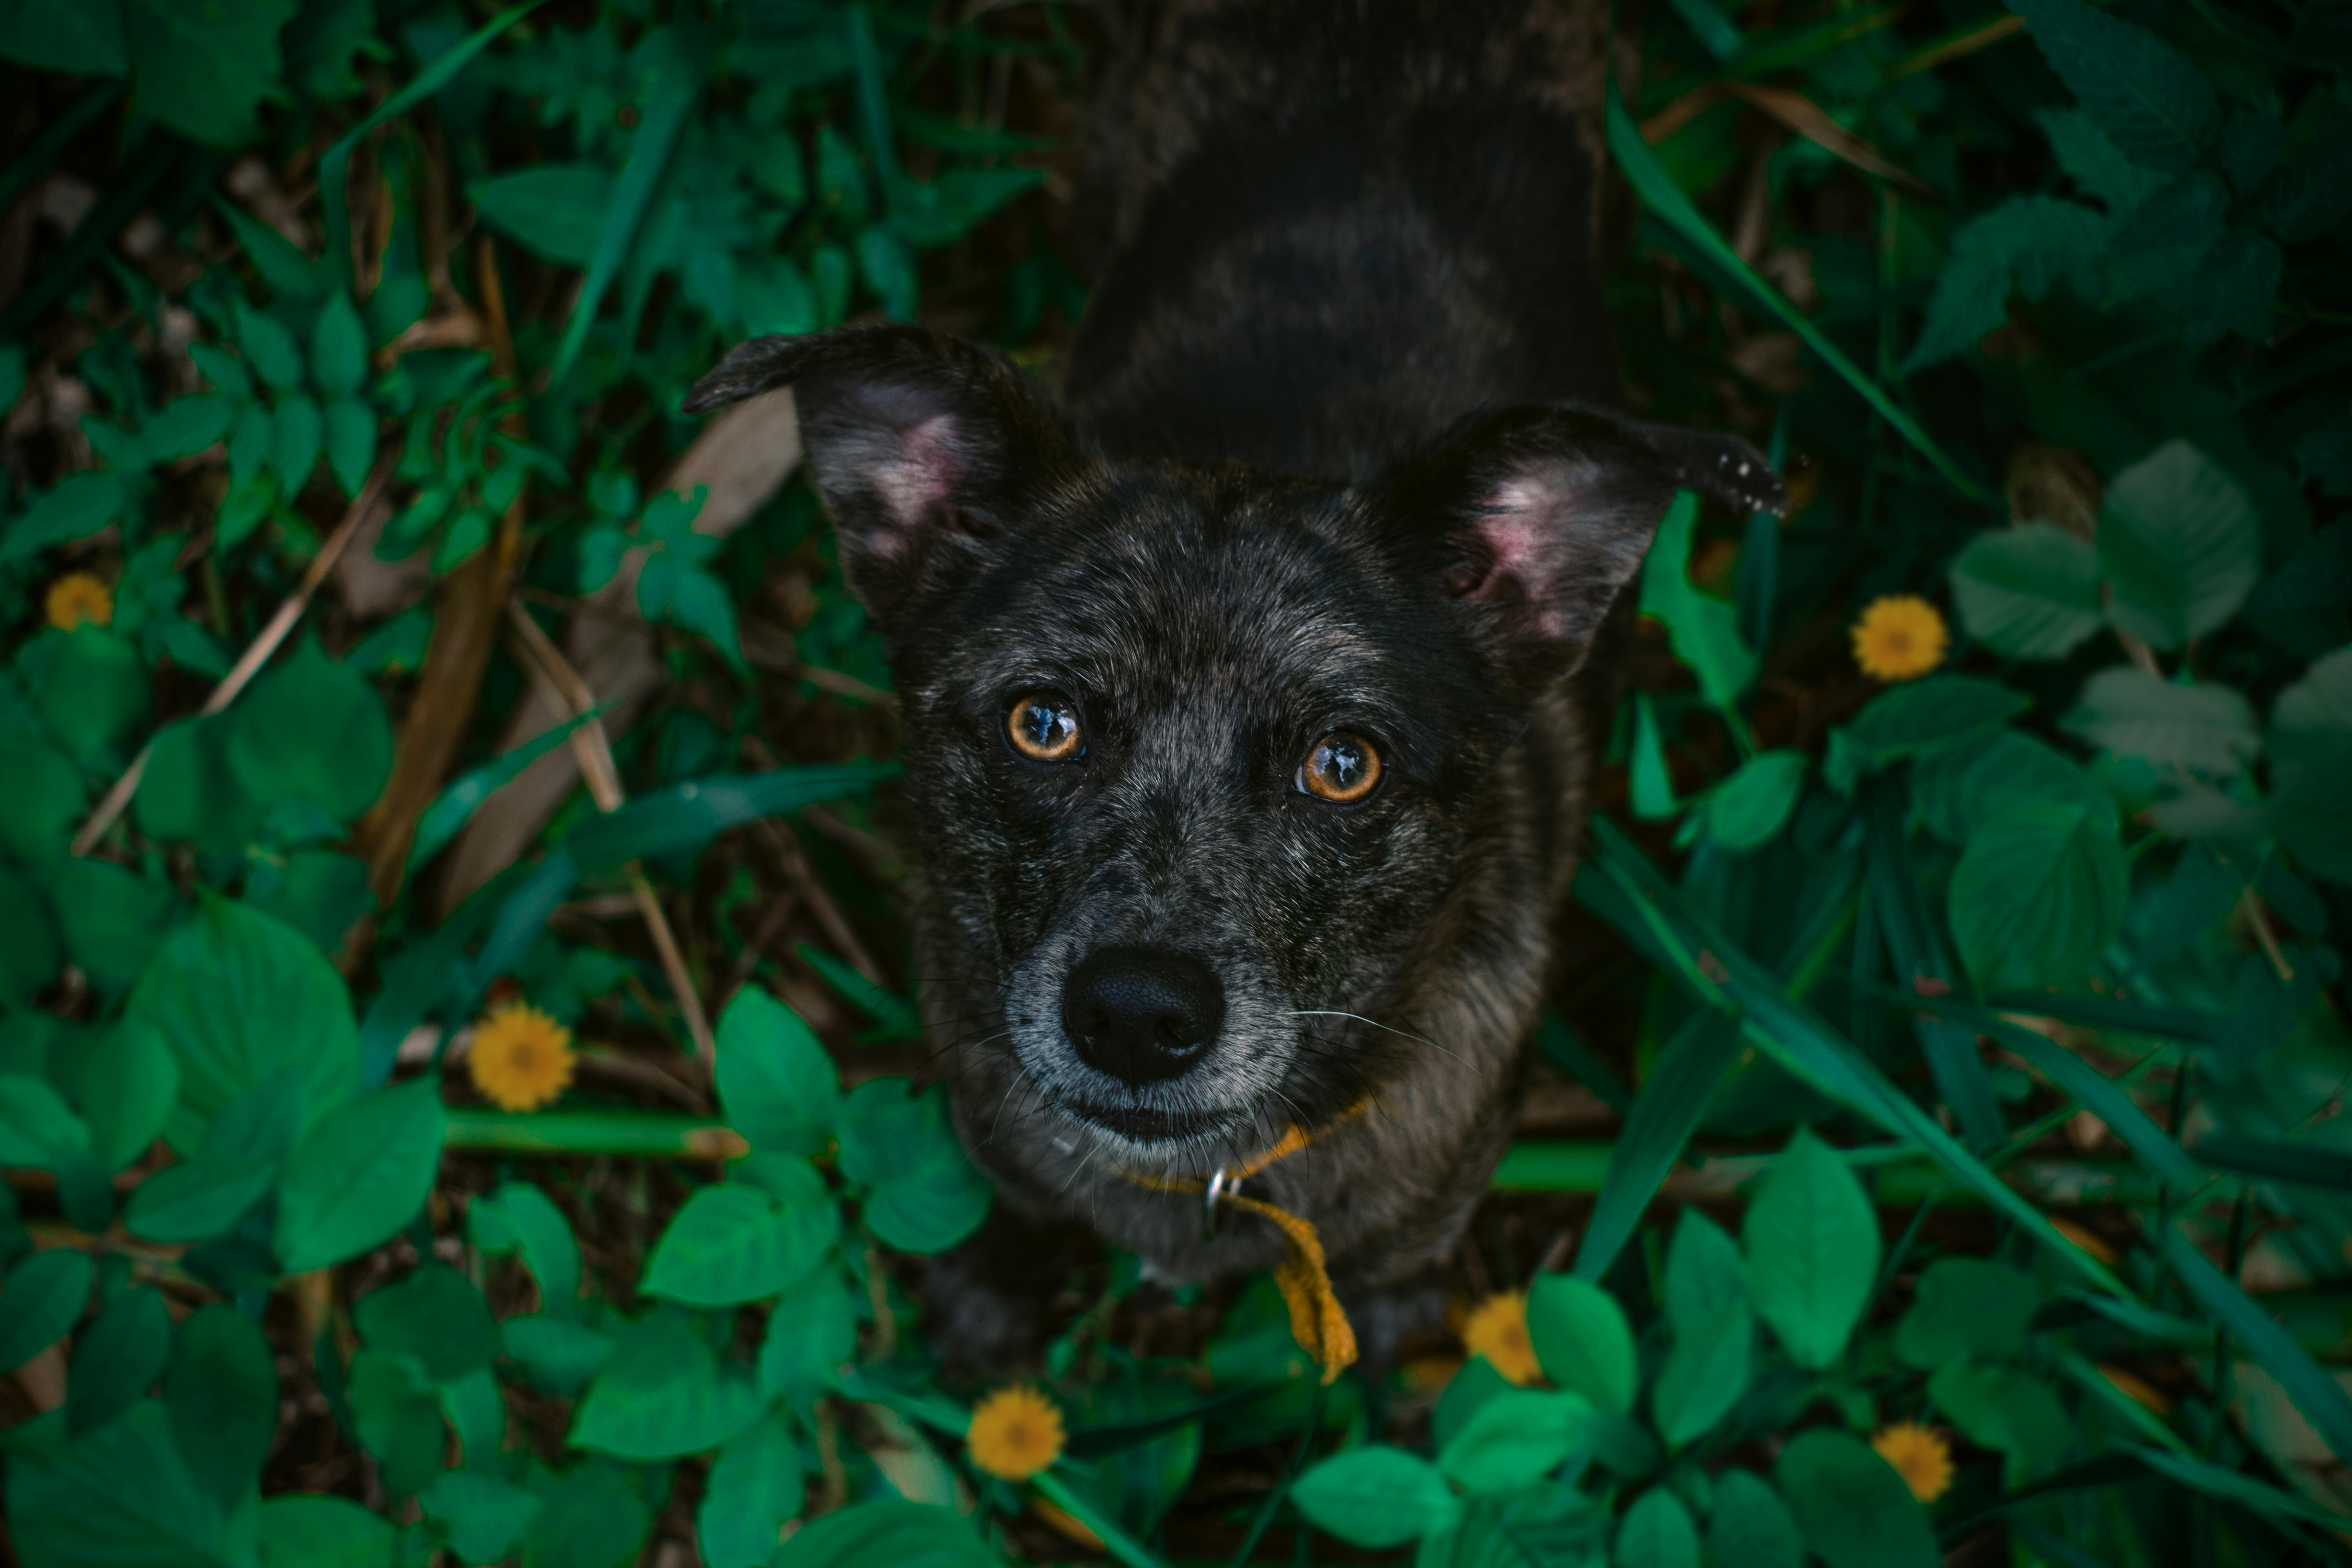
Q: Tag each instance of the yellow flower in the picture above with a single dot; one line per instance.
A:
(1015, 1433)
(521, 1057)
(77, 597)
(1497, 1330)
(1899, 637)
(1919, 1456)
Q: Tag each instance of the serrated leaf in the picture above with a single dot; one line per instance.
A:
(269, 347)
(2310, 749)
(187, 426)
(2025, 245)
(2206, 727)
(2156, 108)
(2181, 544)
(1959, 789)
(202, 67)
(1811, 1240)
(2038, 894)
(2029, 592)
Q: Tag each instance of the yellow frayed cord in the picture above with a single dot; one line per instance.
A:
(1318, 1321)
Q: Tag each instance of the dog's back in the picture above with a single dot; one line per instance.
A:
(1329, 228)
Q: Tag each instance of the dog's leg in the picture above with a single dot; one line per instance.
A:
(986, 1303)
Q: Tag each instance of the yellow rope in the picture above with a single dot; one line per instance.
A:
(1316, 1320)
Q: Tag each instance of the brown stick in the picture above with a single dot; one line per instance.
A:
(256, 655)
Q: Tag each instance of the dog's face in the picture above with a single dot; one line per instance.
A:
(1196, 755)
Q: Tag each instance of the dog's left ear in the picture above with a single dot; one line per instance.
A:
(925, 446)
(1536, 518)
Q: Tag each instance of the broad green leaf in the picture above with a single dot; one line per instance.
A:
(2029, 592)
(270, 348)
(1913, 718)
(591, 1515)
(904, 1534)
(220, 1394)
(1375, 1496)
(554, 210)
(486, 1516)
(43, 1298)
(2181, 544)
(736, 1243)
(1965, 1306)
(924, 1194)
(29, 954)
(82, 40)
(519, 1216)
(1852, 1508)
(359, 1175)
(297, 435)
(1657, 1532)
(41, 794)
(2156, 108)
(38, 1131)
(351, 432)
(663, 1395)
(242, 997)
(2311, 753)
(561, 1354)
(1582, 1339)
(117, 1496)
(1704, 1272)
(94, 690)
(113, 920)
(129, 1081)
(2025, 245)
(1517, 1438)
(756, 1485)
(2008, 1410)
(339, 348)
(305, 1529)
(812, 1331)
(200, 67)
(1746, 811)
(434, 1316)
(1959, 789)
(1465, 1396)
(1750, 1527)
(1811, 1243)
(75, 508)
(187, 426)
(1705, 630)
(775, 1082)
(117, 1358)
(2125, 709)
(198, 1198)
(2038, 894)
(311, 728)
(1705, 1376)
(397, 1416)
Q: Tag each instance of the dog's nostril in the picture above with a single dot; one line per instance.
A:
(1142, 1014)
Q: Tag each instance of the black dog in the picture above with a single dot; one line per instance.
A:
(1246, 732)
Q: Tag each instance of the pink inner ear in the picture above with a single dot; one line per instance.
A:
(916, 483)
(1518, 530)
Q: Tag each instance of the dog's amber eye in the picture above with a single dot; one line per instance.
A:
(1043, 727)
(1341, 767)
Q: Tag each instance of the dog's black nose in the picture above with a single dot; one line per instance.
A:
(1142, 1014)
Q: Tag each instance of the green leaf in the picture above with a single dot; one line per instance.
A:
(1854, 1508)
(220, 1395)
(519, 1216)
(2320, 1398)
(42, 1300)
(2038, 895)
(775, 1082)
(359, 1175)
(350, 443)
(94, 691)
(119, 1496)
(339, 348)
(561, 1354)
(30, 956)
(41, 794)
(185, 425)
(925, 1195)
(2007, 1410)
(113, 922)
(685, 818)
(2310, 756)
(1914, 718)
(1375, 1496)
(2157, 108)
(275, 356)
(486, 1517)
(1746, 810)
(904, 1534)
(450, 810)
(117, 1358)
(250, 440)
(1658, 1126)
(1965, 1306)
(736, 1243)
(434, 1316)
(812, 1331)
(1704, 1272)
(314, 730)
(2025, 245)
(1705, 1376)
(199, 1198)
(37, 1131)
(297, 435)
(663, 1395)
(80, 40)
(1517, 1438)
(1811, 1243)
(305, 1529)
(1750, 1527)
(289, 274)
(129, 1081)
(1657, 1532)
(1582, 1339)
(2029, 592)
(200, 67)
(1650, 781)
(75, 508)
(756, 1485)
(2127, 710)
(2180, 543)
(1705, 630)
(1959, 789)
(556, 211)
(241, 997)
(397, 1416)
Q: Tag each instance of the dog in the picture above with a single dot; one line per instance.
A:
(1249, 688)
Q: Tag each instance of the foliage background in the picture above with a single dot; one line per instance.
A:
(378, 312)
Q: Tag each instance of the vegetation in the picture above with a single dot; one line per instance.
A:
(1954, 948)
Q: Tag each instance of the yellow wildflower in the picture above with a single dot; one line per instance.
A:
(1497, 1330)
(1900, 637)
(521, 1057)
(1919, 1455)
(1015, 1433)
(79, 598)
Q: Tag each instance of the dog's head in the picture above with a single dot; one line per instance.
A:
(1197, 754)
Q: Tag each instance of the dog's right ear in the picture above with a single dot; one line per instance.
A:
(924, 445)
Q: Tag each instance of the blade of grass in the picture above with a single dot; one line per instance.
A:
(2297, 1162)
(1657, 188)
(1663, 1118)
(1103, 1442)
(1114, 1537)
(455, 805)
(1725, 977)
(688, 816)
(1560, 1047)
(334, 168)
(1791, 48)
(2244, 1490)
(2179, 1024)
(1273, 1508)
(677, 87)
(2318, 1396)
(873, 104)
